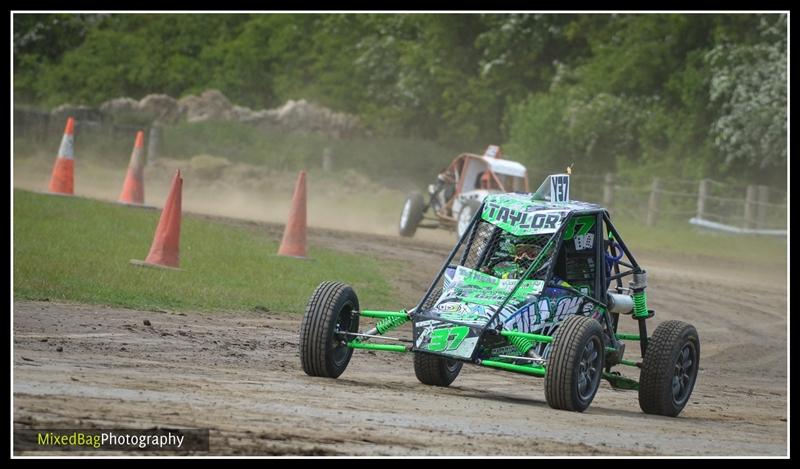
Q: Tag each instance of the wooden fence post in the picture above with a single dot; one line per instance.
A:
(655, 198)
(327, 160)
(608, 191)
(153, 143)
(702, 193)
(761, 211)
(750, 206)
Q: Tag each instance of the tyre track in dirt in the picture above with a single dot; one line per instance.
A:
(239, 374)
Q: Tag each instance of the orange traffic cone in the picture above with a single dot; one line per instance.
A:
(164, 251)
(294, 236)
(63, 172)
(133, 187)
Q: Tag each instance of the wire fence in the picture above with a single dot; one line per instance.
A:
(666, 200)
(94, 132)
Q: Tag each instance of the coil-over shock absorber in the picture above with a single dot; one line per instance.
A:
(521, 343)
(391, 322)
(524, 346)
(640, 304)
(640, 311)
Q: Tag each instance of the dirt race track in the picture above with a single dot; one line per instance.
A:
(239, 375)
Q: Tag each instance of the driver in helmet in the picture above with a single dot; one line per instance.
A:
(512, 258)
(445, 186)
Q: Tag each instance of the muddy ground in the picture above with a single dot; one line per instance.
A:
(239, 375)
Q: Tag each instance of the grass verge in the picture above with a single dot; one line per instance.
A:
(684, 240)
(77, 249)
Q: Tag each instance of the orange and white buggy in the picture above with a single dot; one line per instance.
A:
(459, 191)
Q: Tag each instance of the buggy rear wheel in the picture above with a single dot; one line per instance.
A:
(323, 351)
(575, 364)
(669, 368)
(413, 211)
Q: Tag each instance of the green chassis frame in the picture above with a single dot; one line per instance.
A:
(394, 319)
(389, 320)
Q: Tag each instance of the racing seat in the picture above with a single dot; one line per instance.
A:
(576, 268)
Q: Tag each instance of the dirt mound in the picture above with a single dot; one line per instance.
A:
(213, 105)
(302, 115)
(155, 107)
(161, 107)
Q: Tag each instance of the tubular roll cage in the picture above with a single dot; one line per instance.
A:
(464, 159)
(389, 320)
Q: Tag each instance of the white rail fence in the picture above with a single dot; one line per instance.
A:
(750, 209)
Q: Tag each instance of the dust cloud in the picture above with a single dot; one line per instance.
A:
(344, 200)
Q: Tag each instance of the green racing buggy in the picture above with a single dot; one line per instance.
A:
(533, 286)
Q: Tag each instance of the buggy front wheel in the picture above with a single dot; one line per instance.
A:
(465, 216)
(330, 311)
(413, 211)
(575, 364)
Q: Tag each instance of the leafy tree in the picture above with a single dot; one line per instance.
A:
(682, 94)
(41, 40)
(748, 87)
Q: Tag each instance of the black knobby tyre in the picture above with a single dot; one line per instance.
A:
(322, 351)
(431, 369)
(465, 216)
(434, 370)
(575, 365)
(413, 211)
(669, 368)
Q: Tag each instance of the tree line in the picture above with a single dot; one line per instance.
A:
(689, 95)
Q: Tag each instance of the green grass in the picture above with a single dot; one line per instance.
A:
(78, 250)
(685, 240)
